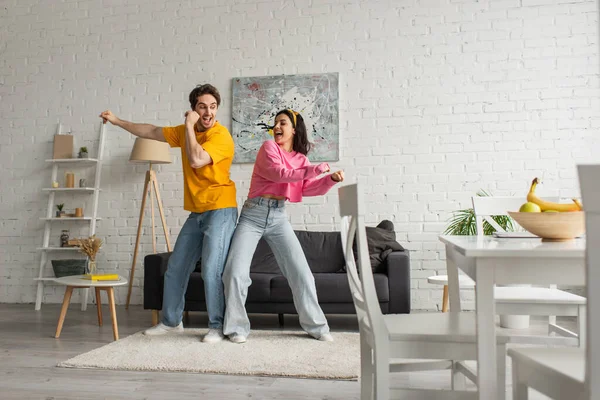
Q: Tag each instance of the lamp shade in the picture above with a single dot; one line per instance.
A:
(148, 150)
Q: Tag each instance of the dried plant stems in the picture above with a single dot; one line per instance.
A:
(90, 246)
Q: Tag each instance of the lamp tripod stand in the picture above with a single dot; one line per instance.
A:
(150, 186)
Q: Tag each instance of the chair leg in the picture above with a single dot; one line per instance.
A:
(445, 299)
(581, 325)
(519, 389)
(501, 367)
(458, 379)
(280, 320)
(154, 317)
(366, 370)
(381, 375)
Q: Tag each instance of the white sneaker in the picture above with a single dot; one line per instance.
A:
(326, 337)
(236, 338)
(213, 336)
(162, 329)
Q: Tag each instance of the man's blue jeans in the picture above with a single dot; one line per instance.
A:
(204, 235)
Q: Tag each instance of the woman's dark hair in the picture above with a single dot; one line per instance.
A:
(301, 143)
(202, 90)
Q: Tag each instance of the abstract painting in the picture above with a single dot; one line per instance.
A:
(256, 101)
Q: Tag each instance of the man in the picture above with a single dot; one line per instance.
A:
(209, 195)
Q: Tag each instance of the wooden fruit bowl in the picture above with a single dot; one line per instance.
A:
(552, 226)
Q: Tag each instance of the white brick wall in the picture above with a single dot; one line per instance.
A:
(439, 98)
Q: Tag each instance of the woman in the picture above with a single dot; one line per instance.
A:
(281, 172)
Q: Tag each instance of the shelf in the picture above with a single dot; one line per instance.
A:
(90, 192)
(70, 219)
(63, 189)
(82, 161)
(57, 248)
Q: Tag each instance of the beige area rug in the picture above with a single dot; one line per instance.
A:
(266, 353)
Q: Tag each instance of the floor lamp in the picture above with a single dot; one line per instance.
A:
(151, 152)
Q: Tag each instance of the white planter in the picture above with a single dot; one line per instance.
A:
(514, 321)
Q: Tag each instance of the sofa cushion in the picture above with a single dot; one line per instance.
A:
(260, 289)
(323, 251)
(331, 288)
(381, 241)
(263, 260)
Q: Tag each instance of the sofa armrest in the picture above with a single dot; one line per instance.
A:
(155, 266)
(398, 272)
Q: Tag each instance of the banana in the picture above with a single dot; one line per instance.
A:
(578, 204)
(548, 205)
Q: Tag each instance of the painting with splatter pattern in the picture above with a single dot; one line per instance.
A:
(256, 100)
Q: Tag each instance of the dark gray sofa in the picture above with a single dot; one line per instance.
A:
(270, 292)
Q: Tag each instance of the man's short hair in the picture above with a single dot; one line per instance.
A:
(202, 90)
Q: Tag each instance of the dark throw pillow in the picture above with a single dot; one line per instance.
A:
(381, 241)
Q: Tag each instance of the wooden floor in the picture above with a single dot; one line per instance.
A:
(29, 354)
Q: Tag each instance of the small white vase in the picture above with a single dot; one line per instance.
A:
(514, 321)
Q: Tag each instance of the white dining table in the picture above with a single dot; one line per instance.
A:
(490, 261)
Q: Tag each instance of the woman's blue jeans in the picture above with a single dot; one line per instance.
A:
(261, 217)
(204, 235)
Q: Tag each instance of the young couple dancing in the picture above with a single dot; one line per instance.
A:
(281, 173)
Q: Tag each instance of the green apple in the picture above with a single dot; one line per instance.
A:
(530, 207)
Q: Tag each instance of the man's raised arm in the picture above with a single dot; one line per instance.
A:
(147, 131)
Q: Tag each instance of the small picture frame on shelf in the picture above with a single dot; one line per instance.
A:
(63, 146)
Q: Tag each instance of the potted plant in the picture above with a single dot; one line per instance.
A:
(463, 223)
(60, 212)
(83, 152)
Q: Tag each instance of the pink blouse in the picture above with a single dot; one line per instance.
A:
(280, 173)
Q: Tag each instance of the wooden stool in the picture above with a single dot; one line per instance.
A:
(463, 281)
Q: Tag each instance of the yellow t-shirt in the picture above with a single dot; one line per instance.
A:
(207, 188)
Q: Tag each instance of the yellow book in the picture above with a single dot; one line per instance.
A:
(102, 277)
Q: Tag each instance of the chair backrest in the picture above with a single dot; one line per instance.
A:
(485, 207)
(589, 183)
(362, 285)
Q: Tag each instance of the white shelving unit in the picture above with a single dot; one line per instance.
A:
(43, 276)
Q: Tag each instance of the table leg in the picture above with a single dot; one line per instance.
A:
(486, 333)
(154, 317)
(99, 306)
(63, 310)
(113, 311)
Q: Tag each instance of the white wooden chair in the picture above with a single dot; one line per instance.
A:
(404, 342)
(512, 300)
(570, 373)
